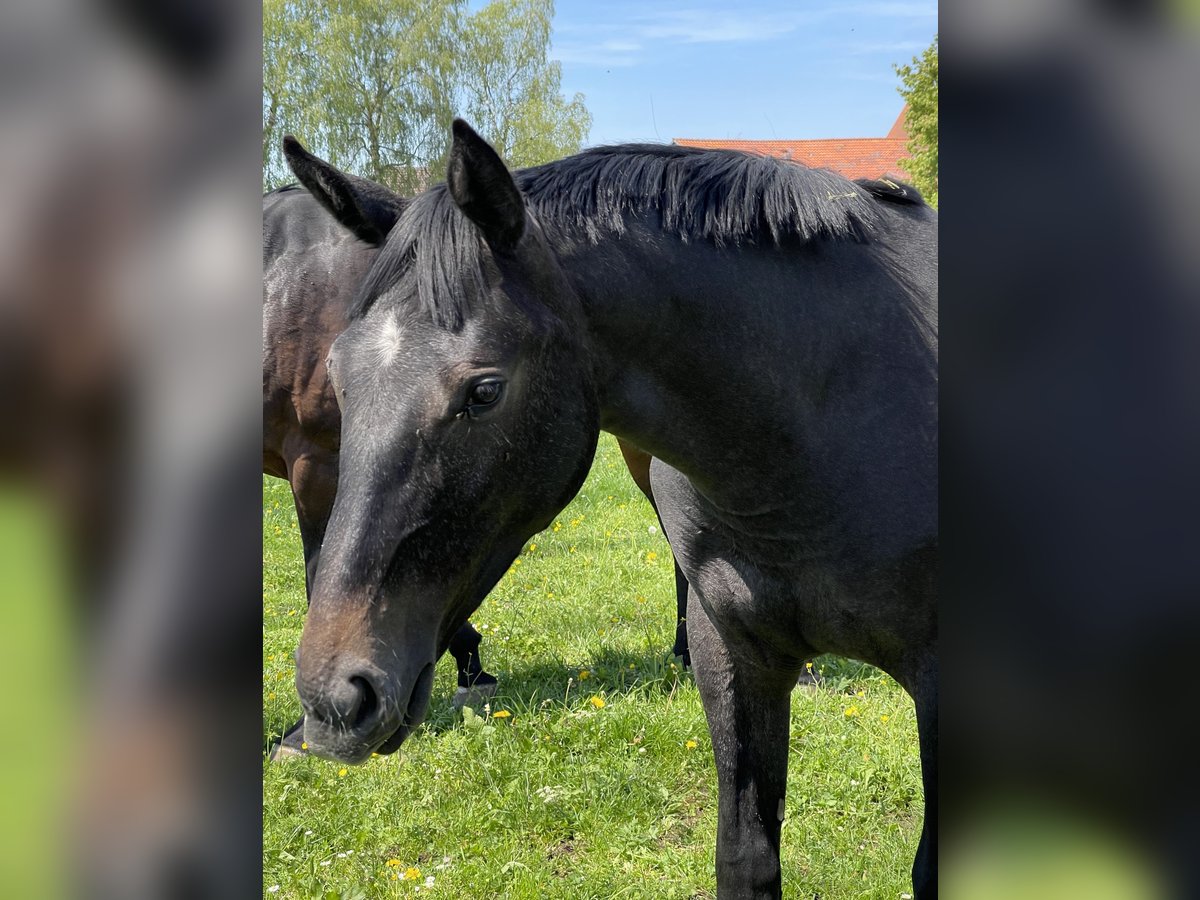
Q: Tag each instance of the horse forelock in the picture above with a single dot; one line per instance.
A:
(435, 254)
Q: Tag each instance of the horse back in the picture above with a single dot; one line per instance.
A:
(311, 266)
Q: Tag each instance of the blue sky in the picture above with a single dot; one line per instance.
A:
(757, 69)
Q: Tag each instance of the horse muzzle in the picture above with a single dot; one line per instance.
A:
(357, 709)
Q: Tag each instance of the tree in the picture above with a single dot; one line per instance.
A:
(372, 85)
(510, 91)
(920, 92)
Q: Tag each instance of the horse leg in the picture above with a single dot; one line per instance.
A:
(638, 464)
(474, 684)
(747, 708)
(924, 872)
(681, 600)
(313, 478)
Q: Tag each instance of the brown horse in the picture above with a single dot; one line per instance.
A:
(311, 265)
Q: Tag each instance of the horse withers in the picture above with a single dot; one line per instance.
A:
(317, 246)
(766, 331)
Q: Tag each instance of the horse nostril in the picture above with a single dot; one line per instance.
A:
(368, 701)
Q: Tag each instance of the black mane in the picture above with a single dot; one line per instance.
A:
(725, 196)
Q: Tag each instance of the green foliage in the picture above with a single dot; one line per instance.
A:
(920, 92)
(544, 792)
(372, 85)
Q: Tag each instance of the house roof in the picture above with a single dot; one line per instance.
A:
(851, 157)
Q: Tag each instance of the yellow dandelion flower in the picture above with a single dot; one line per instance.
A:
(412, 873)
(291, 612)
(651, 556)
(850, 711)
(598, 702)
(343, 772)
(884, 718)
(860, 694)
(304, 745)
(392, 863)
(271, 696)
(584, 674)
(501, 714)
(691, 745)
(808, 666)
(532, 547)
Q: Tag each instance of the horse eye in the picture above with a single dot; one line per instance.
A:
(485, 393)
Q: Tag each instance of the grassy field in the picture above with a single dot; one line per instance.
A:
(590, 774)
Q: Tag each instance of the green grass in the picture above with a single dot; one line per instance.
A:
(565, 798)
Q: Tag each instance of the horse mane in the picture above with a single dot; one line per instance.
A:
(724, 196)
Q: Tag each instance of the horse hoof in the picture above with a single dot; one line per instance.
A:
(282, 752)
(475, 695)
(808, 678)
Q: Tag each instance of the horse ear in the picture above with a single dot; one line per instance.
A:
(483, 188)
(366, 208)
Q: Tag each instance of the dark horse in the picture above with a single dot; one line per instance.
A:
(311, 266)
(766, 331)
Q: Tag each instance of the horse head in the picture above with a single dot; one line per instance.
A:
(469, 419)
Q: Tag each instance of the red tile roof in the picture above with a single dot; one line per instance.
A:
(852, 157)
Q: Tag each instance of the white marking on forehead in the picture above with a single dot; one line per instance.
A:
(386, 344)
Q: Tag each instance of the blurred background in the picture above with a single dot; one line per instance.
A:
(130, 629)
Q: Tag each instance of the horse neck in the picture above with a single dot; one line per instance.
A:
(716, 359)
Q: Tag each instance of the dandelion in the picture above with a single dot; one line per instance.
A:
(652, 530)
(412, 873)
(428, 882)
(273, 889)
(860, 694)
(808, 666)
(343, 772)
(884, 718)
(584, 674)
(291, 612)
(850, 711)
(598, 702)
(271, 696)
(392, 863)
(501, 714)
(691, 745)
(304, 745)
(532, 547)
(651, 556)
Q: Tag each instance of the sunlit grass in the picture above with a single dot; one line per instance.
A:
(590, 774)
